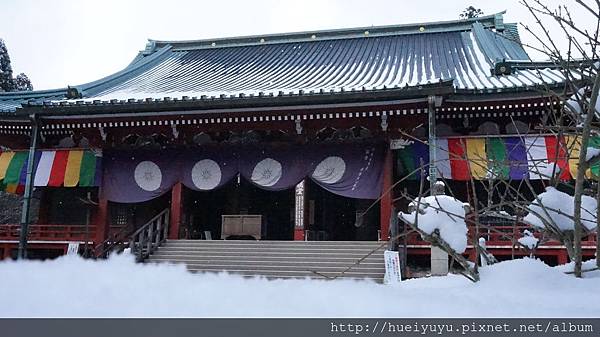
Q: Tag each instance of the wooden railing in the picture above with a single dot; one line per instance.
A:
(50, 232)
(150, 236)
(502, 236)
(116, 242)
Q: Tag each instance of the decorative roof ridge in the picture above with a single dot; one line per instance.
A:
(489, 21)
(532, 64)
(138, 64)
(33, 94)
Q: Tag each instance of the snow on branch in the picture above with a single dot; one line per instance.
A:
(555, 208)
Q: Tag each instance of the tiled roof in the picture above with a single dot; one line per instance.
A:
(467, 52)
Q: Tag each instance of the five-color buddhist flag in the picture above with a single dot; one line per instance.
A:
(443, 159)
(414, 159)
(528, 157)
(457, 148)
(496, 152)
(54, 168)
(537, 158)
(42, 174)
(557, 156)
(477, 157)
(595, 168)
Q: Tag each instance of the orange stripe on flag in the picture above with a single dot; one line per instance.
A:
(5, 159)
(73, 168)
(11, 188)
(477, 157)
(573, 150)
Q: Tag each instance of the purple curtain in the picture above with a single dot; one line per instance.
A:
(208, 168)
(136, 176)
(350, 170)
(275, 168)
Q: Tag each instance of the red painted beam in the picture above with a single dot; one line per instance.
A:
(176, 211)
(100, 220)
(385, 204)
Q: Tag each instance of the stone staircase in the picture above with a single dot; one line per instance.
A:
(277, 259)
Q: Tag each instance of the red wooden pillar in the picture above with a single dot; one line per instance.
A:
(387, 198)
(298, 234)
(563, 257)
(100, 220)
(44, 205)
(6, 252)
(176, 211)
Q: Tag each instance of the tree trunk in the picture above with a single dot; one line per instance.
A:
(598, 227)
(581, 168)
(568, 242)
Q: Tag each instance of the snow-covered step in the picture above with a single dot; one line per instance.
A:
(214, 261)
(274, 251)
(277, 259)
(281, 268)
(271, 246)
(287, 275)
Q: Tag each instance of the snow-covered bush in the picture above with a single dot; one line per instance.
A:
(528, 240)
(553, 213)
(554, 209)
(443, 213)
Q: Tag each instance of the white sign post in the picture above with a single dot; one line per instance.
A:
(73, 248)
(393, 273)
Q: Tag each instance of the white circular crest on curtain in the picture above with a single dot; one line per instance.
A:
(330, 170)
(267, 172)
(148, 176)
(206, 174)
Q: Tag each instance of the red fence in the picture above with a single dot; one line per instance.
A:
(50, 232)
(503, 236)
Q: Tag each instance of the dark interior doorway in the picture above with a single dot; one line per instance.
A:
(135, 215)
(203, 209)
(337, 218)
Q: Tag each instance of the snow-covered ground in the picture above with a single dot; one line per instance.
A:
(73, 287)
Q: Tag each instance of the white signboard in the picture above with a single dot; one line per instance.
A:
(299, 208)
(73, 248)
(393, 274)
(396, 144)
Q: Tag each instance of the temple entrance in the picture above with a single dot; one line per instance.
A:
(135, 215)
(336, 218)
(204, 210)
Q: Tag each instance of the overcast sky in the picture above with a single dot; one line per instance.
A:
(68, 42)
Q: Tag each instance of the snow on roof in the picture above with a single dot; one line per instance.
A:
(463, 51)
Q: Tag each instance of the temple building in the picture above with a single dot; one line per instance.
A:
(310, 136)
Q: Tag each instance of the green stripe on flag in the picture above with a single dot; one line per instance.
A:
(595, 168)
(88, 169)
(13, 172)
(496, 151)
(406, 162)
